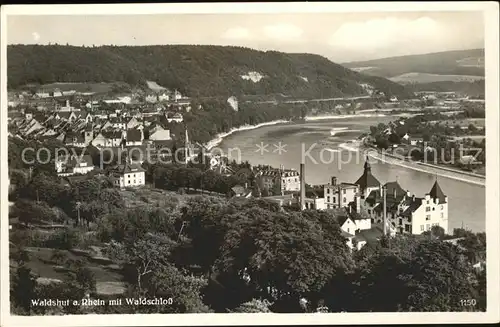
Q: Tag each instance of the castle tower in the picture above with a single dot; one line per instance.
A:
(439, 201)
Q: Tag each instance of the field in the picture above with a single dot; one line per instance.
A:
(411, 78)
(79, 87)
(464, 123)
(471, 62)
(107, 275)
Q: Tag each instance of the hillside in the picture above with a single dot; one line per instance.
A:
(462, 62)
(196, 71)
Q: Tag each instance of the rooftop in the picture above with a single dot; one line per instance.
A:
(437, 193)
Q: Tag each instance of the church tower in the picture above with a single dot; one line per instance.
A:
(367, 182)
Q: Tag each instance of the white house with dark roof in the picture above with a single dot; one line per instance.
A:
(128, 175)
(409, 214)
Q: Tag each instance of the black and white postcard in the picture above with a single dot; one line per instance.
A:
(249, 163)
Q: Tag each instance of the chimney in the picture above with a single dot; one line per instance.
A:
(385, 210)
(302, 186)
(334, 181)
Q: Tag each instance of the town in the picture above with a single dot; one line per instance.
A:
(367, 211)
(122, 182)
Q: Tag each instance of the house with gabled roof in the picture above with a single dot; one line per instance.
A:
(160, 134)
(128, 175)
(107, 139)
(132, 123)
(66, 115)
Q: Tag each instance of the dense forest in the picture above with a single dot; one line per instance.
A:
(194, 70)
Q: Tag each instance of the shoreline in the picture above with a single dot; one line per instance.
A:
(220, 137)
(356, 146)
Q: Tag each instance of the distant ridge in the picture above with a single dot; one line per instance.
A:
(457, 62)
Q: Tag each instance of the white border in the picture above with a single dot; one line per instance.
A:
(490, 10)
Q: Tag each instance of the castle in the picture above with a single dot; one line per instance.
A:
(405, 213)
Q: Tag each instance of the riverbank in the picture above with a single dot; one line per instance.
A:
(220, 137)
(333, 117)
(357, 146)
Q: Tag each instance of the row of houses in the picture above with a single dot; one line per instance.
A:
(362, 201)
(77, 127)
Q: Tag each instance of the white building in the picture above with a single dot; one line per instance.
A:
(342, 195)
(68, 166)
(128, 175)
(42, 94)
(406, 213)
(285, 179)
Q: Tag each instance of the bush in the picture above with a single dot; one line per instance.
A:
(65, 239)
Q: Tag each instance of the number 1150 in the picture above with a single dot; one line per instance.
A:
(468, 302)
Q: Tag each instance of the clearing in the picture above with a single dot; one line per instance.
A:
(416, 78)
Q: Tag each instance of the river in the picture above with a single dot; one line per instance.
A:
(326, 142)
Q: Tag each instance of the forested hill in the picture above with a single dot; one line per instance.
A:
(194, 70)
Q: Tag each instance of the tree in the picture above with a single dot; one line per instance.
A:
(142, 256)
(19, 255)
(23, 290)
(286, 256)
(394, 138)
(85, 279)
(382, 142)
(439, 278)
(415, 275)
(30, 212)
(436, 232)
(254, 306)
(185, 291)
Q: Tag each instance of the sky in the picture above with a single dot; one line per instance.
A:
(341, 37)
